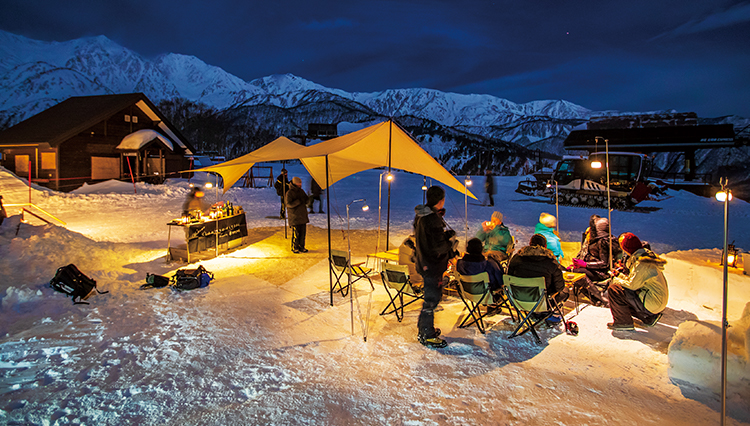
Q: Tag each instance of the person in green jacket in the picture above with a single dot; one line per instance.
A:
(643, 293)
(546, 227)
(496, 238)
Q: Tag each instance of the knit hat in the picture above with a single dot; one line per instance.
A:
(538, 240)
(297, 181)
(474, 246)
(548, 220)
(434, 195)
(498, 216)
(630, 243)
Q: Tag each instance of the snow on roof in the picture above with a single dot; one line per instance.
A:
(139, 139)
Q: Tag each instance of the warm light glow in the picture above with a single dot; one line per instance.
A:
(549, 185)
(424, 187)
(365, 208)
(389, 177)
(722, 196)
(209, 185)
(596, 164)
(731, 257)
(468, 181)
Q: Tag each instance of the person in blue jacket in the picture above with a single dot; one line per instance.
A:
(474, 263)
(546, 228)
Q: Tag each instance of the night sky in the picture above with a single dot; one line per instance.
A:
(687, 55)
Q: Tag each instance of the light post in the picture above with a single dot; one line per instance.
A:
(365, 207)
(467, 183)
(389, 178)
(598, 165)
(557, 207)
(725, 196)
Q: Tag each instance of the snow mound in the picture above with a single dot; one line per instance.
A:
(695, 355)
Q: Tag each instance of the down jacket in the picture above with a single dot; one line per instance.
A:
(296, 205)
(646, 278)
(553, 241)
(433, 246)
(496, 239)
(536, 261)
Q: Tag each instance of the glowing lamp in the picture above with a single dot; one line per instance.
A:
(424, 187)
(468, 181)
(596, 164)
(724, 195)
(209, 185)
(732, 255)
(365, 208)
(389, 177)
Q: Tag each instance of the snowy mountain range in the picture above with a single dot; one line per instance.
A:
(463, 131)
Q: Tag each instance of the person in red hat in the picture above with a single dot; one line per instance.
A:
(643, 293)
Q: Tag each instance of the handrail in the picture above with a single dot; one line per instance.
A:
(23, 205)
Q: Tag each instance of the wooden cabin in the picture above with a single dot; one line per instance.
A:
(89, 139)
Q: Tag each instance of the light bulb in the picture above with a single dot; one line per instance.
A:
(596, 164)
(209, 185)
(389, 177)
(722, 196)
(365, 208)
(424, 187)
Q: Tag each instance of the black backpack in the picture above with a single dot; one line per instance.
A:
(189, 279)
(155, 281)
(71, 281)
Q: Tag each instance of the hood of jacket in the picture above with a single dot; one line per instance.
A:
(602, 228)
(423, 210)
(535, 251)
(644, 255)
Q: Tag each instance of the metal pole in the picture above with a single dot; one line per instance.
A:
(328, 214)
(380, 201)
(388, 219)
(724, 324)
(466, 211)
(557, 211)
(348, 271)
(609, 207)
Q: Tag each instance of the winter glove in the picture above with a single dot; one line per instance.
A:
(578, 263)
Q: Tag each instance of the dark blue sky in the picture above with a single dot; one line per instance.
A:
(687, 55)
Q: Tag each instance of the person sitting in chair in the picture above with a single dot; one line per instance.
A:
(536, 260)
(496, 238)
(474, 263)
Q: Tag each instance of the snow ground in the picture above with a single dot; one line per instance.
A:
(262, 345)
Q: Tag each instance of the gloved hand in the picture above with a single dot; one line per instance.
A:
(578, 263)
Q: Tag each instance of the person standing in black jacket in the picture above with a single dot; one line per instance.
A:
(282, 186)
(315, 192)
(433, 251)
(296, 204)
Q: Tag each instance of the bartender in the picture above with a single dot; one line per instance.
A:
(194, 201)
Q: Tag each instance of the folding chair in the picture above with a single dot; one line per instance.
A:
(396, 277)
(529, 296)
(342, 269)
(475, 292)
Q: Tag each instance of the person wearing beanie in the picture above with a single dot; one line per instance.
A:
(282, 186)
(474, 263)
(536, 260)
(296, 205)
(433, 250)
(495, 238)
(546, 227)
(595, 260)
(643, 293)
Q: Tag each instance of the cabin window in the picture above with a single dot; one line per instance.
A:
(22, 165)
(49, 161)
(127, 118)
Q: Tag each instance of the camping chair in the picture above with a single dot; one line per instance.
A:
(396, 277)
(342, 269)
(529, 296)
(475, 291)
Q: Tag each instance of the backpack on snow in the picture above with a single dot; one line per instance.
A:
(155, 281)
(72, 282)
(189, 279)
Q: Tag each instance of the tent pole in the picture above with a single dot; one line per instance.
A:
(328, 213)
(388, 213)
(283, 202)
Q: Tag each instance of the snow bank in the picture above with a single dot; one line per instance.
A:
(695, 355)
